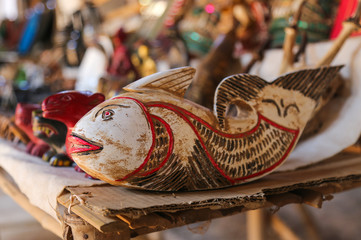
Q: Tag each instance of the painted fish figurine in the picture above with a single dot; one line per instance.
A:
(151, 138)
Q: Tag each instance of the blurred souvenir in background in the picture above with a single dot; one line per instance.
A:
(39, 28)
(7, 93)
(91, 69)
(99, 49)
(10, 131)
(142, 60)
(10, 32)
(316, 19)
(346, 9)
(121, 70)
(23, 119)
(120, 65)
(169, 48)
(54, 79)
(80, 33)
(223, 58)
(74, 46)
(252, 23)
(198, 27)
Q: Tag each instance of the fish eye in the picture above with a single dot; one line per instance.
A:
(107, 115)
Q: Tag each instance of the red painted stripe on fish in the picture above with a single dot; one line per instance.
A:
(183, 113)
(170, 148)
(147, 114)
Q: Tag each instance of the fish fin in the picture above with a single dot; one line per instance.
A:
(175, 81)
(242, 87)
(310, 82)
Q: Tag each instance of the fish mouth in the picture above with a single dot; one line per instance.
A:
(81, 146)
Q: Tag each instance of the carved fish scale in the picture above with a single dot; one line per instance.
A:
(152, 138)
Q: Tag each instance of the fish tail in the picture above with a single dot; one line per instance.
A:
(310, 82)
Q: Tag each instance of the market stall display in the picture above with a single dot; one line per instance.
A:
(192, 95)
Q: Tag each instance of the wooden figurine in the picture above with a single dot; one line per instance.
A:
(249, 32)
(68, 107)
(143, 62)
(151, 138)
(52, 132)
(23, 119)
(10, 132)
(199, 27)
(120, 65)
(210, 72)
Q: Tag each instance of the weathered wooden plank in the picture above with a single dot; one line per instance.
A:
(146, 212)
(77, 228)
(334, 175)
(100, 222)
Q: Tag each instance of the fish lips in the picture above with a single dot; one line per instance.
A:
(81, 146)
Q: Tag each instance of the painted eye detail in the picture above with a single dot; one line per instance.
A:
(107, 115)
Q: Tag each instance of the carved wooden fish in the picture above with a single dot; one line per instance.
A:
(152, 138)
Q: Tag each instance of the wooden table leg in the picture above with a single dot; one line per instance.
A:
(77, 229)
(283, 231)
(310, 223)
(256, 224)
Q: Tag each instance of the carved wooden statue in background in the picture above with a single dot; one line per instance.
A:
(152, 138)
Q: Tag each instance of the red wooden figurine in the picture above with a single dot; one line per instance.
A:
(23, 119)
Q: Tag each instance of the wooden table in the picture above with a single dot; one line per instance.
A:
(110, 212)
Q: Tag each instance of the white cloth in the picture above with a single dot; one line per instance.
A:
(92, 68)
(39, 181)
